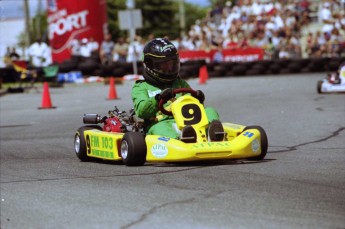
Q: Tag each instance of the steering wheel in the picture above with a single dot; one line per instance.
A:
(176, 91)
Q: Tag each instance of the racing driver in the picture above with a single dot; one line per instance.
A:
(161, 65)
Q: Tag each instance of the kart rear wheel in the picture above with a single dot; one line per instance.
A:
(133, 149)
(80, 142)
(319, 86)
(263, 142)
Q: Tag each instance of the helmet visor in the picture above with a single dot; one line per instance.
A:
(167, 67)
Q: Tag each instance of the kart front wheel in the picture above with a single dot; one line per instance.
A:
(133, 149)
(319, 86)
(80, 142)
(263, 142)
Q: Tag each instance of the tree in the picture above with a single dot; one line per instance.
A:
(160, 17)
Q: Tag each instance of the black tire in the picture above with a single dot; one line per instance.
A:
(319, 85)
(263, 143)
(80, 142)
(133, 149)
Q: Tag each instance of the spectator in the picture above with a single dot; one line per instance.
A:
(106, 50)
(14, 55)
(40, 53)
(7, 59)
(335, 42)
(216, 14)
(75, 47)
(85, 49)
(135, 49)
(120, 50)
(326, 17)
(218, 55)
(93, 45)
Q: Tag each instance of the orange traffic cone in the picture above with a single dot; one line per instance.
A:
(46, 101)
(203, 74)
(112, 89)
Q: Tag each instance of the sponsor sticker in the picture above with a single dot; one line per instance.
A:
(248, 134)
(255, 145)
(159, 150)
(164, 139)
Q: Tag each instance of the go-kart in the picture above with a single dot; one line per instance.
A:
(122, 137)
(334, 83)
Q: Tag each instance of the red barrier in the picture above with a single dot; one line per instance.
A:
(230, 55)
(186, 55)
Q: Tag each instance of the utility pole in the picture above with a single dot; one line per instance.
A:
(182, 18)
(38, 19)
(27, 23)
(130, 6)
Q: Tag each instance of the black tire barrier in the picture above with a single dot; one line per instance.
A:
(253, 72)
(190, 69)
(317, 64)
(220, 69)
(119, 72)
(15, 90)
(100, 72)
(294, 67)
(258, 69)
(88, 67)
(107, 69)
(193, 71)
(68, 66)
(229, 73)
(239, 70)
(285, 71)
(274, 68)
(210, 66)
(8, 74)
(282, 63)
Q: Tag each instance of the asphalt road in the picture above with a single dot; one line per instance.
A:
(300, 184)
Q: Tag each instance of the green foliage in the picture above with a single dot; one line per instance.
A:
(160, 17)
(39, 27)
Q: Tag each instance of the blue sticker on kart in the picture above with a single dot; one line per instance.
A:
(248, 134)
(164, 139)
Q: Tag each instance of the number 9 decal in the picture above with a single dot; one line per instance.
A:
(192, 114)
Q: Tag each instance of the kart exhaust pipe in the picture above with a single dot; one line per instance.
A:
(91, 119)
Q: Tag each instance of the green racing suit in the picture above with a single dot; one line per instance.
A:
(146, 107)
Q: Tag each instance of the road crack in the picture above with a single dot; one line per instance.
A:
(155, 209)
(295, 147)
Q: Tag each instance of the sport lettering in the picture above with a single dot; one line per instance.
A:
(67, 24)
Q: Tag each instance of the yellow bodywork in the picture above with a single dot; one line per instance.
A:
(247, 144)
(104, 145)
(238, 144)
(187, 111)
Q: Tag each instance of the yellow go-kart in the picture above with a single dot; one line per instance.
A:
(122, 137)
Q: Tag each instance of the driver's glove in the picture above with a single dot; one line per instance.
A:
(166, 94)
(200, 96)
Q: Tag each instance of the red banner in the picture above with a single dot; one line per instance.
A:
(229, 55)
(186, 55)
(77, 19)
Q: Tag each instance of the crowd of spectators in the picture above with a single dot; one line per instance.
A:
(276, 26)
(109, 51)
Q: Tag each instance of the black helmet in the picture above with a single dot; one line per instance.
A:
(161, 61)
